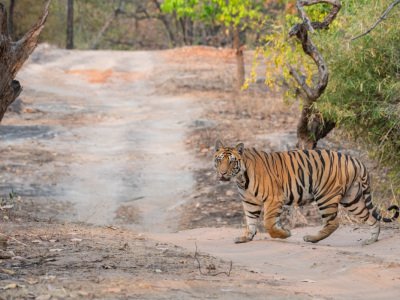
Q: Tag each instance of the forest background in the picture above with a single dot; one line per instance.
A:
(363, 94)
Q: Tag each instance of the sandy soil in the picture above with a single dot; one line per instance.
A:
(107, 156)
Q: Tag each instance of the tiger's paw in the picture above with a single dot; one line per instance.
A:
(242, 239)
(280, 233)
(311, 238)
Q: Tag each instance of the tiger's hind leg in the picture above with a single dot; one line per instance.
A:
(358, 203)
(328, 207)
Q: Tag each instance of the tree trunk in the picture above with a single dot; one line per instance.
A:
(13, 55)
(70, 24)
(311, 126)
(240, 71)
(166, 23)
(11, 18)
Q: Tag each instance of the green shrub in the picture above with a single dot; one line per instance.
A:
(363, 94)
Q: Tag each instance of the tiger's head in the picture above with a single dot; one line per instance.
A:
(227, 160)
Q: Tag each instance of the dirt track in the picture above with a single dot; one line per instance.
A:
(123, 140)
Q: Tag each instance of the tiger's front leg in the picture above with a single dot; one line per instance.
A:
(272, 213)
(252, 213)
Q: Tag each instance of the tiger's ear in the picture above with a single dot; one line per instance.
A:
(218, 145)
(240, 148)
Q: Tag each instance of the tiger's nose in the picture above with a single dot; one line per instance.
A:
(223, 172)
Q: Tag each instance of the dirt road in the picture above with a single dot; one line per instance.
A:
(120, 144)
(123, 141)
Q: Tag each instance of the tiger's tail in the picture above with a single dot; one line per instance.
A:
(365, 181)
(378, 216)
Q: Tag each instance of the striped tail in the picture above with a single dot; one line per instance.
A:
(378, 216)
(368, 199)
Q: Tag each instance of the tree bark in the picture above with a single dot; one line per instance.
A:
(311, 126)
(11, 17)
(166, 23)
(240, 70)
(70, 24)
(13, 55)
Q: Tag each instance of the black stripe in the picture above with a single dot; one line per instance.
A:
(332, 216)
(310, 173)
(300, 191)
(250, 203)
(321, 158)
(247, 180)
(300, 157)
(326, 200)
(395, 216)
(331, 205)
(300, 175)
(354, 201)
(251, 216)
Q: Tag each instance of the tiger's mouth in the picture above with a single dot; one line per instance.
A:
(223, 178)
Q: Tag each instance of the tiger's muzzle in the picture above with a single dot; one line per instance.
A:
(223, 178)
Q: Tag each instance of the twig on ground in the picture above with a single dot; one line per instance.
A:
(14, 239)
(228, 273)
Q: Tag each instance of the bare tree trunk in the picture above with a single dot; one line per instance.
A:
(13, 55)
(11, 17)
(70, 24)
(311, 126)
(110, 19)
(167, 24)
(182, 24)
(240, 71)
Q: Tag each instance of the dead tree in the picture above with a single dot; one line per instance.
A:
(70, 24)
(311, 126)
(13, 55)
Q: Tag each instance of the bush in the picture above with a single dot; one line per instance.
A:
(363, 94)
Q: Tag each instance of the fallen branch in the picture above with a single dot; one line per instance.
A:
(228, 273)
(13, 239)
(381, 18)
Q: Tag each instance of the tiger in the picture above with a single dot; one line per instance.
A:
(297, 177)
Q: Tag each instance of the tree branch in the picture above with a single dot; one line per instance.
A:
(110, 19)
(301, 32)
(25, 46)
(336, 5)
(227, 273)
(381, 18)
(310, 129)
(13, 55)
